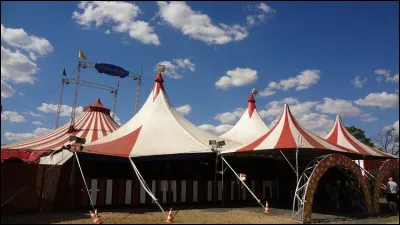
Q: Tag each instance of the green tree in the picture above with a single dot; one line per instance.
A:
(360, 135)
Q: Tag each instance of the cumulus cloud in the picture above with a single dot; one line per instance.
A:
(20, 39)
(16, 67)
(116, 118)
(120, 15)
(237, 78)
(385, 75)
(338, 106)
(230, 117)
(184, 110)
(13, 117)
(382, 100)
(65, 109)
(199, 26)
(6, 90)
(264, 11)
(216, 130)
(366, 117)
(302, 81)
(107, 32)
(358, 82)
(33, 114)
(175, 68)
(37, 123)
(25, 136)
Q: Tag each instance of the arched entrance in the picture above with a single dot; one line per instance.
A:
(309, 180)
(383, 174)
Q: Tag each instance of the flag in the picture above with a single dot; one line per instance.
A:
(81, 55)
(64, 73)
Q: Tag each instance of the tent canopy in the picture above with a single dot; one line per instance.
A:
(93, 123)
(156, 130)
(340, 136)
(288, 134)
(249, 127)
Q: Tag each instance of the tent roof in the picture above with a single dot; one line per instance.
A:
(249, 127)
(156, 130)
(289, 134)
(93, 123)
(340, 136)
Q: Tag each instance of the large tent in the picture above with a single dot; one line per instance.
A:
(249, 127)
(156, 130)
(93, 123)
(289, 134)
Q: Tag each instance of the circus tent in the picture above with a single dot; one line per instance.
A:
(249, 127)
(156, 130)
(93, 123)
(289, 134)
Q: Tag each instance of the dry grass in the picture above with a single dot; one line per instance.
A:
(248, 215)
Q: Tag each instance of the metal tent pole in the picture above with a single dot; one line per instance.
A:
(84, 181)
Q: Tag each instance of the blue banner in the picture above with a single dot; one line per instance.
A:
(110, 69)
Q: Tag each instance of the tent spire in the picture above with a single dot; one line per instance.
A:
(158, 85)
(251, 104)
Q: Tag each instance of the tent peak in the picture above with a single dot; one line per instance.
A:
(251, 106)
(159, 78)
(96, 106)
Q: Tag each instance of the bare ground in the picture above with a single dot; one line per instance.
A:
(247, 215)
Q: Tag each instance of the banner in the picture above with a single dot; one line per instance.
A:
(110, 69)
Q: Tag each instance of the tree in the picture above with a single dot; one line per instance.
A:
(360, 135)
(388, 140)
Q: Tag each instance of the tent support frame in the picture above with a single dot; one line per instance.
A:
(84, 181)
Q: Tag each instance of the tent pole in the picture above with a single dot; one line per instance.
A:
(84, 181)
(145, 187)
(254, 196)
(222, 174)
(288, 162)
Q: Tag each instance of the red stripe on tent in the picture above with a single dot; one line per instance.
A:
(256, 143)
(251, 106)
(157, 86)
(107, 122)
(102, 126)
(121, 192)
(102, 193)
(95, 130)
(118, 147)
(333, 138)
(359, 148)
(286, 139)
(309, 139)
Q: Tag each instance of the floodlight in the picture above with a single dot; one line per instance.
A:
(75, 139)
(221, 143)
(160, 68)
(212, 142)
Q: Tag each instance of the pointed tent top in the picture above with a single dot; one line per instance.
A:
(341, 136)
(159, 78)
(251, 106)
(96, 106)
(158, 85)
(251, 98)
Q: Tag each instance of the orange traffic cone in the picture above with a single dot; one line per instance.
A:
(169, 218)
(266, 211)
(94, 217)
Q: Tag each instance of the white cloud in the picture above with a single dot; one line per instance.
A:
(13, 117)
(216, 130)
(198, 25)
(382, 100)
(264, 11)
(237, 78)
(357, 82)
(175, 68)
(302, 81)
(116, 118)
(37, 123)
(24, 136)
(230, 117)
(319, 124)
(386, 74)
(264, 7)
(107, 32)
(184, 110)
(34, 114)
(21, 94)
(121, 14)
(338, 106)
(366, 117)
(6, 90)
(32, 56)
(65, 109)
(20, 39)
(16, 67)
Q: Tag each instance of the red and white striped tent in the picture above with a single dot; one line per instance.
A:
(340, 136)
(156, 130)
(289, 134)
(249, 127)
(93, 123)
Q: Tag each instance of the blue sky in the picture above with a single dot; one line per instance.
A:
(323, 58)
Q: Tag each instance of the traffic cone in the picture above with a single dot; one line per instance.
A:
(266, 211)
(169, 218)
(94, 217)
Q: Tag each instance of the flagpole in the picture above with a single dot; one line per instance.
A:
(77, 76)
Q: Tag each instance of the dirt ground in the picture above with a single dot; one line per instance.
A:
(248, 215)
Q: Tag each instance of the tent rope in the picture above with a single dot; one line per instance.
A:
(15, 195)
(84, 181)
(146, 188)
